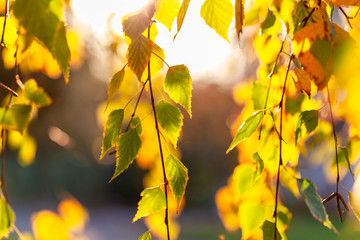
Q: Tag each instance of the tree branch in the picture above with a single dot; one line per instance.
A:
(4, 26)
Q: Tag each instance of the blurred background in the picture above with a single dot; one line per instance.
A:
(69, 132)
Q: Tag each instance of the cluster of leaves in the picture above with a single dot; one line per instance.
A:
(281, 121)
(33, 39)
(144, 131)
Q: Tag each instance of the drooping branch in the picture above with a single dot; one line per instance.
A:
(6, 15)
(160, 147)
(281, 105)
(337, 193)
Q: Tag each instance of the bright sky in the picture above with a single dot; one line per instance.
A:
(197, 46)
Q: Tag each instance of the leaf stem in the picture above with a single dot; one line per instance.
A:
(281, 105)
(160, 147)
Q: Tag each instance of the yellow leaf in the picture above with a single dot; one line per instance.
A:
(181, 15)
(338, 3)
(301, 81)
(74, 214)
(166, 11)
(239, 16)
(218, 15)
(227, 208)
(138, 55)
(27, 150)
(47, 225)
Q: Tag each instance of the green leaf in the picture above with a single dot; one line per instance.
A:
(153, 200)
(136, 123)
(170, 119)
(293, 105)
(112, 130)
(145, 236)
(251, 216)
(242, 179)
(300, 13)
(218, 15)
(178, 85)
(344, 157)
(36, 94)
(246, 129)
(135, 25)
(166, 12)
(43, 20)
(268, 22)
(16, 117)
(314, 202)
(268, 229)
(259, 166)
(177, 174)
(321, 50)
(355, 204)
(181, 15)
(115, 83)
(239, 16)
(138, 55)
(259, 92)
(10, 36)
(308, 118)
(127, 148)
(7, 219)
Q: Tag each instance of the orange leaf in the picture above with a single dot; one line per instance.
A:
(138, 55)
(301, 81)
(47, 225)
(338, 3)
(239, 16)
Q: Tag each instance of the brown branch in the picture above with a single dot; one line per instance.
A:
(2, 179)
(346, 17)
(161, 59)
(160, 147)
(338, 195)
(281, 105)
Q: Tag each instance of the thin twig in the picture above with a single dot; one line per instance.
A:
(3, 86)
(281, 104)
(160, 148)
(346, 17)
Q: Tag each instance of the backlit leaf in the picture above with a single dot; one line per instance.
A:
(36, 95)
(47, 225)
(73, 213)
(135, 25)
(339, 3)
(178, 85)
(239, 16)
(246, 129)
(115, 83)
(259, 166)
(355, 204)
(268, 229)
(218, 15)
(112, 130)
(170, 119)
(177, 174)
(27, 151)
(314, 202)
(181, 14)
(153, 200)
(10, 36)
(309, 119)
(259, 92)
(138, 55)
(127, 148)
(136, 123)
(242, 179)
(145, 236)
(44, 21)
(156, 62)
(7, 218)
(251, 216)
(302, 81)
(166, 12)
(17, 117)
